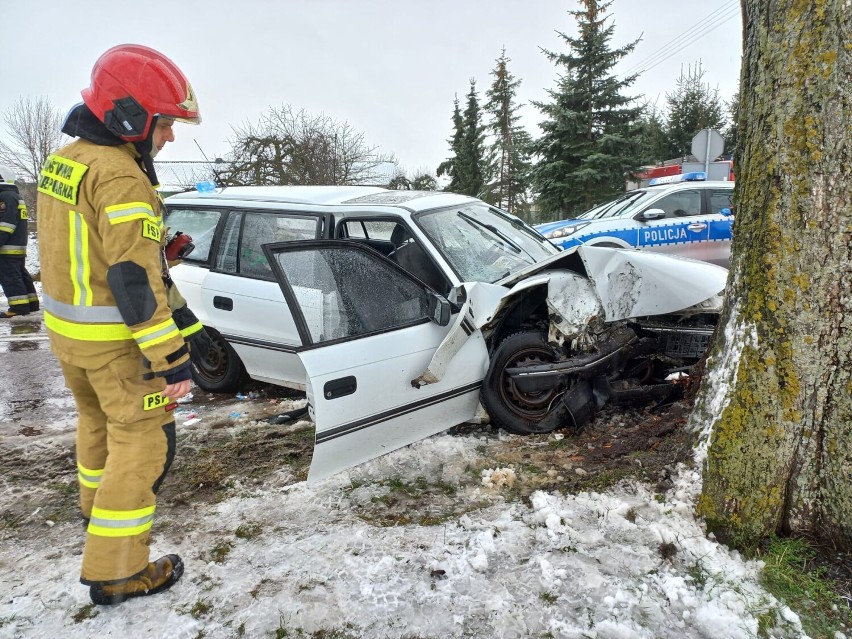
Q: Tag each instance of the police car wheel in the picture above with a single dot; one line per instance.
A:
(221, 371)
(507, 406)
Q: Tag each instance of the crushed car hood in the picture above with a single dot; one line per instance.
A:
(626, 283)
(631, 283)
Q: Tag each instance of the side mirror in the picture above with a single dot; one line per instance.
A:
(439, 310)
(651, 214)
(727, 212)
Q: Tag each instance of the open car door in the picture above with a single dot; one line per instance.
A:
(368, 330)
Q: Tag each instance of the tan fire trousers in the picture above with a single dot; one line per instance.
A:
(125, 445)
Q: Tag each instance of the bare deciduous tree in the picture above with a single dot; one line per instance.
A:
(34, 128)
(419, 180)
(295, 147)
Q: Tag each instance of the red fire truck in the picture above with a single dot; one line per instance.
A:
(720, 170)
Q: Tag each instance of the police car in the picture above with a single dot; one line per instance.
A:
(678, 215)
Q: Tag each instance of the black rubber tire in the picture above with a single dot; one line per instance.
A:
(223, 371)
(507, 408)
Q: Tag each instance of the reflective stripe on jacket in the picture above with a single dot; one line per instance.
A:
(13, 223)
(100, 241)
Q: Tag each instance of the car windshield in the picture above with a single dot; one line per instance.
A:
(622, 205)
(483, 244)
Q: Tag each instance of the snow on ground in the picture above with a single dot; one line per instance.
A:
(623, 564)
(616, 565)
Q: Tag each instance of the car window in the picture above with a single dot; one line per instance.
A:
(263, 228)
(353, 229)
(679, 204)
(394, 240)
(336, 290)
(199, 224)
(721, 199)
(226, 258)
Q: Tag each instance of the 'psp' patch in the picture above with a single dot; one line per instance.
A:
(151, 230)
(154, 400)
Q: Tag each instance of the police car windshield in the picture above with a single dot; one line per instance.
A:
(483, 244)
(623, 205)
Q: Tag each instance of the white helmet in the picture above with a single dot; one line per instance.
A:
(7, 175)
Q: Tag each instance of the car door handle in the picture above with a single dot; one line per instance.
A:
(340, 387)
(223, 303)
(697, 226)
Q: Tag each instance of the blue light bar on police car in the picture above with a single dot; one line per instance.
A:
(695, 176)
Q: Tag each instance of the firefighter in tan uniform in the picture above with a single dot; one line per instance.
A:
(123, 355)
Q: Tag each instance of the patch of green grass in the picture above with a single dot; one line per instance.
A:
(253, 454)
(766, 622)
(698, 575)
(548, 597)
(64, 488)
(200, 609)
(604, 479)
(249, 530)
(407, 503)
(791, 575)
(529, 468)
(220, 551)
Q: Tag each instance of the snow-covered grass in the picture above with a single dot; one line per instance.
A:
(283, 559)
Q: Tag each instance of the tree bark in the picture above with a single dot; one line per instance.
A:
(776, 399)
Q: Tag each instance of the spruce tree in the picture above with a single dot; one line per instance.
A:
(692, 106)
(509, 152)
(655, 147)
(450, 166)
(732, 134)
(471, 163)
(591, 134)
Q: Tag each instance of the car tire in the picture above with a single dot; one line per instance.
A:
(222, 371)
(508, 408)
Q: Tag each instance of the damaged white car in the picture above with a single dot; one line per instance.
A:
(409, 311)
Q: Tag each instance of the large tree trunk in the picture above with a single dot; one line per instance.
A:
(778, 391)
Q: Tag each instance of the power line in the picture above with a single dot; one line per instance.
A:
(695, 32)
(723, 12)
(688, 43)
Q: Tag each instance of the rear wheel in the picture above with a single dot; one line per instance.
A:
(508, 407)
(221, 371)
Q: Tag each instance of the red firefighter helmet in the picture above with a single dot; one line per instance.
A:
(131, 84)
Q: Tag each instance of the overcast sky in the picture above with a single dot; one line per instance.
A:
(390, 68)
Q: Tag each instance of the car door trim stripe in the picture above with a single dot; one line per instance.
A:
(373, 420)
(259, 343)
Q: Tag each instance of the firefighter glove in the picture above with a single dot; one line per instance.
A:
(198, 339)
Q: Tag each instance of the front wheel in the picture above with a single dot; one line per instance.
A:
(221, 371)
(508, 407)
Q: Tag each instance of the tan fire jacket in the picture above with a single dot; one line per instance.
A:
(100, 233)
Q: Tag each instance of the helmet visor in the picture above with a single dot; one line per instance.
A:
(170, 119)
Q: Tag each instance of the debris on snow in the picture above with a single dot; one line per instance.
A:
(498, 477)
